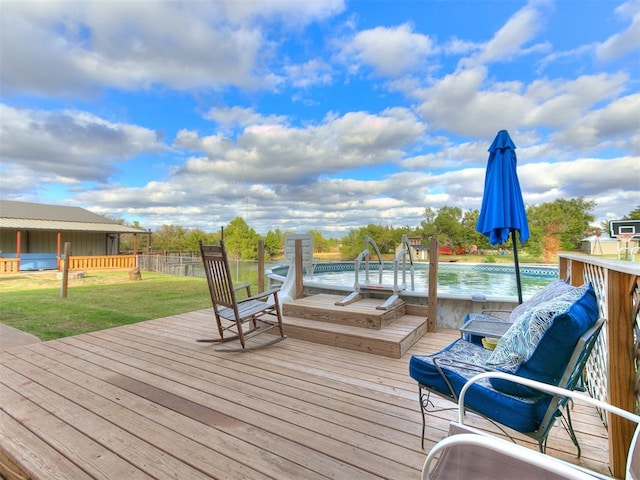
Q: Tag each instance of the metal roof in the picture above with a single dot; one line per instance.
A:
(37, 216)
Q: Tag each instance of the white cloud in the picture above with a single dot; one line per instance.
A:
(389, 51)
(293, 12)
(510, 39)
(242, 117)
(616, 124)
(279, 154)
(69, 145)
(311, 73)
(461, 103)
(625, 41)
(130, 45)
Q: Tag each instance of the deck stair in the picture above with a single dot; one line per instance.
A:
(358, 326)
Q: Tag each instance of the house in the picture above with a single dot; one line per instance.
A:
(418, 250)
(33, 235)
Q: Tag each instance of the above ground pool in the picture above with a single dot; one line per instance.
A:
(454, 279)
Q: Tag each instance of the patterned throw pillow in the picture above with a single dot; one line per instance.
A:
(523, 336)
(549, 292)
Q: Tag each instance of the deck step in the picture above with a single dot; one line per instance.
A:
(362, 313)
(393, 341)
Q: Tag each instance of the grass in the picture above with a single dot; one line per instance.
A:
(33, 303)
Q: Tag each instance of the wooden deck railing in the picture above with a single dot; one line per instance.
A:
(101, 262)
(92, 262)
(612, 371)
(9, 265)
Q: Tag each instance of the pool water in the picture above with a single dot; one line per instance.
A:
(454, 279)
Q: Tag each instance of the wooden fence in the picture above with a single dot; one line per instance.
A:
(101, 262)
(9, 265)
(612, 371)
(97, 262)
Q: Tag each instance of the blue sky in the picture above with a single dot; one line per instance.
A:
(325, 115)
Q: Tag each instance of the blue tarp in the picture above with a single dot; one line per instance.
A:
(35, 261)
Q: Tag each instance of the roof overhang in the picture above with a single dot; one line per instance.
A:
(57, 225)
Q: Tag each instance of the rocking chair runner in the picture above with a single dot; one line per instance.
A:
(231, 314)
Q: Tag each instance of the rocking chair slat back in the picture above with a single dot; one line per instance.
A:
(216, 267)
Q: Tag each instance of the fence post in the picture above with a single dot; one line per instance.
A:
(65, 270)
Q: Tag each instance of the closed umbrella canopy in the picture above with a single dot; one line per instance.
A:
(503, 209)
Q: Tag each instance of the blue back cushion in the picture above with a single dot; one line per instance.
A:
(549, 359)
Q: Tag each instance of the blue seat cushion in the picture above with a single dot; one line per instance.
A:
(567, 320)
(523, 414)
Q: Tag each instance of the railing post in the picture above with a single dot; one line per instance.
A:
(260, 266)
(432, 299)
(563, 268)
(298, 266)
(621, 367)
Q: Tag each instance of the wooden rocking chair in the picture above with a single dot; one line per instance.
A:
(230, 314)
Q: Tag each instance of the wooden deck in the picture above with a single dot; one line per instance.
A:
(146, 401)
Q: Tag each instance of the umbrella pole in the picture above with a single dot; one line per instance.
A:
(516, 264)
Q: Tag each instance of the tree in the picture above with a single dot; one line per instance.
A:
(449, 228)
(274, 243)
(428, 224)
(566, 219)
(319, 243)
(241, 240)
(471, 235)
(633, 214)
(169, 238)
(192, 238)
(353, 243)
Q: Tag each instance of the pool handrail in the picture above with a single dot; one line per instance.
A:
(405, 249)
(366, 254)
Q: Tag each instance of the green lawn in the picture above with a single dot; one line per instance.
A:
(100, 300)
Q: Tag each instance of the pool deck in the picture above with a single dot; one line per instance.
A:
(145, 401)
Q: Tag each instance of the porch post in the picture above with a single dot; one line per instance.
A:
(59, 252)
(18, 241)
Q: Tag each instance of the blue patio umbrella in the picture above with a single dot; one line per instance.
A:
(503, 211)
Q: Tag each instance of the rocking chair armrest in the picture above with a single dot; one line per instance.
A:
(261, 295)
(247, 286)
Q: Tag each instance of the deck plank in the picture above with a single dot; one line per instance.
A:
(247, 405)
(147, 401)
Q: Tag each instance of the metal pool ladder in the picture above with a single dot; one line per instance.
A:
(403, 256)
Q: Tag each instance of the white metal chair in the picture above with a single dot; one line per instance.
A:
(471, 453)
